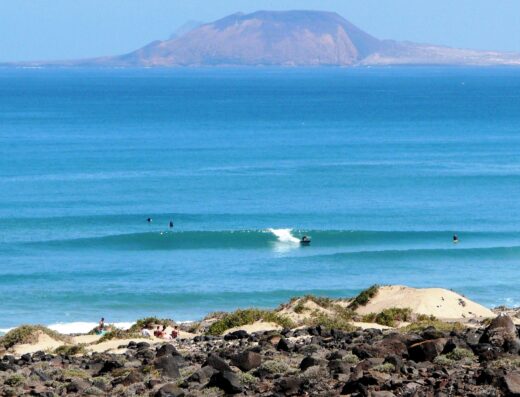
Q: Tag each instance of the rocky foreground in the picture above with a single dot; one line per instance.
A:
(308, 361)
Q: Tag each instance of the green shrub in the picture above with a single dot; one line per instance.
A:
(300, 307)
(29, 334)
(149, 322)
(350, 358)
(15, 380)
(443, 361)
(75, 373)
(246, 378)
(419, 326)
(386, 368)
(70, 350)
(314, 374)
(505, 363)
(247, 316)
(330, 322)
(459, 354)
(363, 297)
(120, 334)
(275, 366)
(425, 317)
(389, 317)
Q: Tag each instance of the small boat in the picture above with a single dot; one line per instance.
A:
(305, 241)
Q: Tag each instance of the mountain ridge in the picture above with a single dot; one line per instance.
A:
(288, 38)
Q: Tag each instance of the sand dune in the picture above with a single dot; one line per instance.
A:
(441, 303)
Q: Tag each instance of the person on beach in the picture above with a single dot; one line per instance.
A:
(157, 332)
(175, 332)
(146, 331)
(101, 326)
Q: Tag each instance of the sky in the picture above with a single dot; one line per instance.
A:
(71, 29)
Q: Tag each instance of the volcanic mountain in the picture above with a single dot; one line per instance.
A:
(290, 38)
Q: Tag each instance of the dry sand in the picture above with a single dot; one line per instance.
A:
(45, 343)
(255, 327)
(441, 303)
(309, 307)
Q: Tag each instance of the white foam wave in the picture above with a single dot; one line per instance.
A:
(81, 327)
(284, 236)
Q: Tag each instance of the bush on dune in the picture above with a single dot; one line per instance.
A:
(247, 316)
(150, 322)
(330, 322)
(29, 334)
(70, 350)
(421, 325)
(364, 297)
(389, 317)
(120, 334)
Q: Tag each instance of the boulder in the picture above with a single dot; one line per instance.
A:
(290, 386)
(170, 390)
(226, 381)
(283, 345)
(167, 366)
(109, 366)
(166, 350)
(427, 350)
(500, 331)
(308, 362)
(202, 375)
(247, 360)
(512, 384)
(77, 385)
(383, 393)
(217, 363)
(240, 334)
(142, 345)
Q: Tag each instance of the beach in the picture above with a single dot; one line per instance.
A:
(386, 341)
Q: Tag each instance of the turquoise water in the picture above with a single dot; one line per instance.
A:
(379, 166)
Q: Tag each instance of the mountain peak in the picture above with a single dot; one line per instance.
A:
(298, 38)
(289, 38)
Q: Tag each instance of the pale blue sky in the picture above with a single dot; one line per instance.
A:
(68, 29)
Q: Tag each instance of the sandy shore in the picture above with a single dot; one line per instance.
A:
(441, 303)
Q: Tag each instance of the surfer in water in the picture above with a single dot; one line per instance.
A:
(149, 220)
(455, 239)
(171, 224)
(305, 240)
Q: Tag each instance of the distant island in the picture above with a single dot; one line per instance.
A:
(286, 38)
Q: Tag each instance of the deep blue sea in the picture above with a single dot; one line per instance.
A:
(379, 166)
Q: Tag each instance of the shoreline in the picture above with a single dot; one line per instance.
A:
(307, 346)
(83, 327)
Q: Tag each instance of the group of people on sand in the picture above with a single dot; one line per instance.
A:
(160, 332)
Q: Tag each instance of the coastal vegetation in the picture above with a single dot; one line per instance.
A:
(389, 317)
(432, 322)
(71, 350)
(363, 297)
(29, 334)
(151, 322)
(242, 317)
(120, 334)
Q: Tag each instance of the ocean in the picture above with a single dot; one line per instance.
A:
(380, 166)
